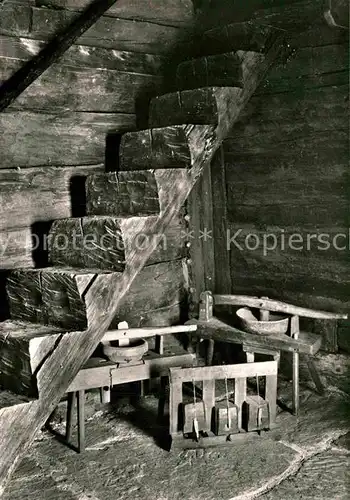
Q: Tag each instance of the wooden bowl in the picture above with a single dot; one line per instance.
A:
(125, 354)
(277, 324)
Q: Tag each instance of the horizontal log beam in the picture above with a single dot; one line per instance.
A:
(16, 84)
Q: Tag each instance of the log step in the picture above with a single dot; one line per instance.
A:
(220, 70)
(61, 296)
(23, 347)
(122, 194)
(239, 36)
(157, 148)
(129, 193)
(108, 243)
(198, 106)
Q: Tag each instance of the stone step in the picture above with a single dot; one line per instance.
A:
(239, 36)
(220, 70)
(107, 243)
(122, 193)
(199, 106)
(158, 148)
(61, 296)
(23, 347)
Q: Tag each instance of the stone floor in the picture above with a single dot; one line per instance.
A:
(305, 458)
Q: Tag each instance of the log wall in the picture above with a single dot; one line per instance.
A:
(287, 175)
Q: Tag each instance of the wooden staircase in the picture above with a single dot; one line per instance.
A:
(59, 314)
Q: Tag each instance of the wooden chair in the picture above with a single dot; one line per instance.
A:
(102, 374)
(298, 342)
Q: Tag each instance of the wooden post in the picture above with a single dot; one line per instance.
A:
(294, 332)
(50, 54)
(175, 399)
(208, 396)
(240, 396)
(81, 421)
(70, 413)
(206, 306)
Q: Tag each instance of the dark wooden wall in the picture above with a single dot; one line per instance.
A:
(55, 132)
(286, 171)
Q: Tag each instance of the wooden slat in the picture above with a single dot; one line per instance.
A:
(242, 370)
(62, 137)
(110, 374)
(307, 343)
(19, 427)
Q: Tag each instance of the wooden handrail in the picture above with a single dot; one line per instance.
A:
(275, 306)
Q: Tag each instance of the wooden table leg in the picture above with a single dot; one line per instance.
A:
(70, 411)
(81, 421)
(314, 374)
(210, 352)
(162, 397)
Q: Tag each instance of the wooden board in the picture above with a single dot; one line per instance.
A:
(109, 32)
(65, 139)
(106, 242)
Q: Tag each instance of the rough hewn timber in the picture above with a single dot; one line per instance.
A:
(122, 193)
(19, 49)
(108, 32)
(220, 70)
(197, 106)
(105, 242)
(16, 248)
(59, 296)
(19, 427)
(65, 88)
(168, 12)
(27, 74)
(65, 139)
(24, 346)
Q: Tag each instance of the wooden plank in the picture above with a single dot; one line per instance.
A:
(220, 331)
(110, 374)
(15, 50)
(63, 88)
(327, 329)
(106, 242)
(168, 12)
(47, 193)
(107, 32)
(62, 137)
(242, 370)
(103, 299)
(16, 249)
(122, 193)
(145, 332)
(221, 254)
(28, 73)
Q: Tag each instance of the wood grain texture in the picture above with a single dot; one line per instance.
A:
(65, 139)
(24, 346)
(167, 12)
(122, 193)
(221, 70)
(64, 88)
(106, 242)
(16, 248)
(104, 296)
(108, 32)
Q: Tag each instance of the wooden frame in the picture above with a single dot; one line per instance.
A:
(208, 375)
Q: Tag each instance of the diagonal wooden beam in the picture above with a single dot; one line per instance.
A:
(19, 426)
(27, 74)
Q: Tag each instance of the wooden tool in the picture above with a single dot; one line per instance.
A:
(255, 414)
(226, 418)
(195, 419)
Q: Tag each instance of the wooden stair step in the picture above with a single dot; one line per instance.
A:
(62, 297)
(107, 243)
(157, 148)
(239, 36)
(122, 193)
(129, 193)
(199, 106)
(23, 347)
(220, 70)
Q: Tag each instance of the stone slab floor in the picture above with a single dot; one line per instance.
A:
(305, 458)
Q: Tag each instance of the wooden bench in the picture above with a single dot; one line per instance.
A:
(98, 373)
(297, 342)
